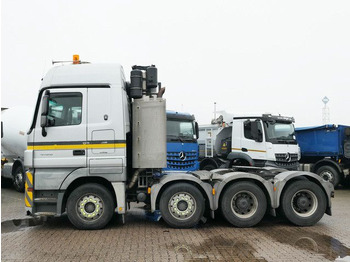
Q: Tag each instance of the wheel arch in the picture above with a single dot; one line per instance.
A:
(207, 161)
(327, 162)
(79, 181)
(238, 155)
(284, 179)
(158, 189)
(222, 186)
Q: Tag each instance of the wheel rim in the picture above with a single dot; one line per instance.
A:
(18, 179)
(90, 207)
(327, 176)
(244, 204)
(182, 205)
(304, 203)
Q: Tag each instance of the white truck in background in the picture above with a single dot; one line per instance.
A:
(97, 143)
(15, 123)
(249, 140)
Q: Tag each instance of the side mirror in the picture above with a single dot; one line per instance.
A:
(43, 121)
(256, 133)
(45, 105)
(44, 112)
(197, 129)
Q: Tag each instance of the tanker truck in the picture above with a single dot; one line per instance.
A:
(98, 142)
(15, 123)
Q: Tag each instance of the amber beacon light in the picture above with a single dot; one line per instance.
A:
(76, 59)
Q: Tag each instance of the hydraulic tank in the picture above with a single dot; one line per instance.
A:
(149, 133)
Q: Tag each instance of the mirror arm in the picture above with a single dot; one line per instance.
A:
(43, 131)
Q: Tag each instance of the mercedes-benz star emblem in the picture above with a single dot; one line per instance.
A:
(288, 157)
(182, 155)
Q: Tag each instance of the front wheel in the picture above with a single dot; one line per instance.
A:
(243, 204)
(90, 206)
(330, 174)
(303, 203)
(182, 205)
(19, 179)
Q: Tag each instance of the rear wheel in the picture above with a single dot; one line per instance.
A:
(243, 204)
(330, 174)
(182, 205)
(19, 179)
(90, 206)
(303, 203)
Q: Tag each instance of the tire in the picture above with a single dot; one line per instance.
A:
(182, 205)
(90, 206)
(243, 204)
(330, 174)
(303, 203)
(19, 179)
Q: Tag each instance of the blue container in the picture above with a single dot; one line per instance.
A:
(321, 141)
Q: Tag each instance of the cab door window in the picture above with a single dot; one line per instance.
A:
(65, 109)
(248, 129)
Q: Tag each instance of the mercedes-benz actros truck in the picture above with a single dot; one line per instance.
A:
(250, 140)
(98, 142)
(182, 145)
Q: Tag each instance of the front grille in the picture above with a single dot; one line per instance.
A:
(286, 158)
(174, 162)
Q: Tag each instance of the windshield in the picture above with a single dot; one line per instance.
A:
(180, 130)
(277, 132)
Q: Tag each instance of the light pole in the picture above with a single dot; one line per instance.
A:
(325, 111)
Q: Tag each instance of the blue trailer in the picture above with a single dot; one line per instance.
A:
(325, 150)
(182, 145)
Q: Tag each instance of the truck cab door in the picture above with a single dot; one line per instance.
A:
(62, 142)
(252, 140)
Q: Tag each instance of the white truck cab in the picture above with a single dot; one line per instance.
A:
(264, 140)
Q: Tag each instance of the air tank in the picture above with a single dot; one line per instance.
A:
(149, 133)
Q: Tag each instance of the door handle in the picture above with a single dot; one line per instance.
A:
(244, 149)
(78, 152)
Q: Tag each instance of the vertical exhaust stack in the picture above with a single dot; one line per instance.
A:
(148, 119)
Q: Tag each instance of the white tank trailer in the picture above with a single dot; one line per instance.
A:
(15, 123)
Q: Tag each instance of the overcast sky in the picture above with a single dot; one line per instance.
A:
(247, 56)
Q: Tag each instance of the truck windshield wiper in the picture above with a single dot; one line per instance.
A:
(286, 141)
(186, 138)
(176, 138)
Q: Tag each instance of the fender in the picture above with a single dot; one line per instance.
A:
(178, 177)
(216, 162)
(330, 162)
(281, 180)
(226, 179)
(234, 155)
(118, 187)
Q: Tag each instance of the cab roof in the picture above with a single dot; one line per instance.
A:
(84, 74)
